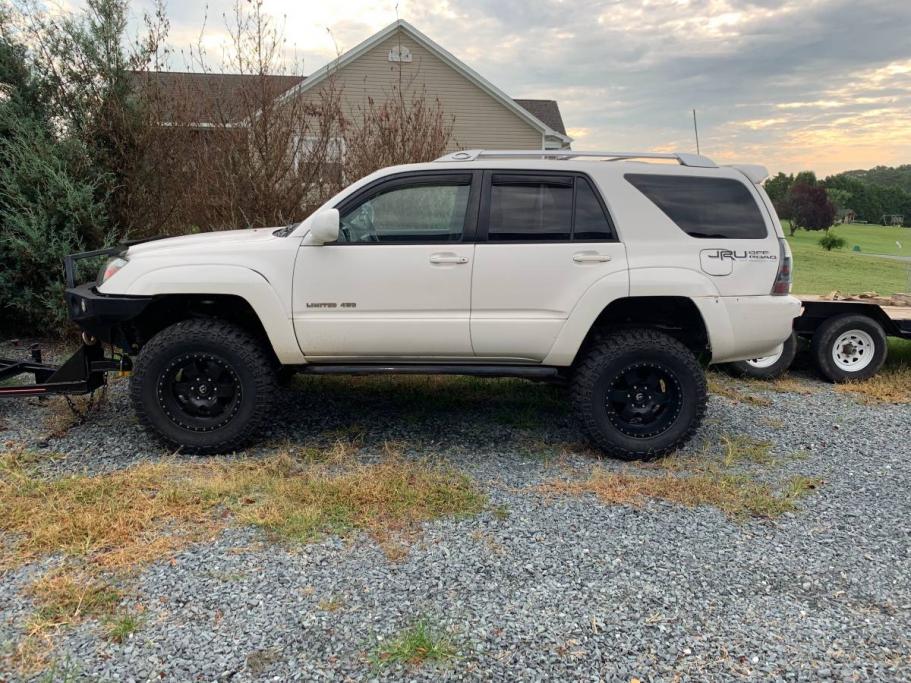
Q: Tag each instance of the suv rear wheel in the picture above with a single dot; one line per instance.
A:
(204, 386)
(639, 394)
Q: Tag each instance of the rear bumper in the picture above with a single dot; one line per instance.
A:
(742, 327)
(100, 314)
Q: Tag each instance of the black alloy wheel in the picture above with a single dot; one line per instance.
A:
(200, 392)
(644, 400)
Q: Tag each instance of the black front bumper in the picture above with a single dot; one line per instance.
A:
(101, 315)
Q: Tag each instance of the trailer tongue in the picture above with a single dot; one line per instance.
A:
(83, 373)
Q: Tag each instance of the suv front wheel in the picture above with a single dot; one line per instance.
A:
(204, 386)
(639, 394)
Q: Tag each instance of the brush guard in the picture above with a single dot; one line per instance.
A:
(83, 373)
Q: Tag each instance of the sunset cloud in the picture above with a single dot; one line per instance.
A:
(822, 84)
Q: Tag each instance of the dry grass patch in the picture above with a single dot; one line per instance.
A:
(890, 385)
(65, 596)
(62, 597)
(727, 453)
(146, 511)
(737, 495)
(791, 385)
(721, 476)
(721, 387)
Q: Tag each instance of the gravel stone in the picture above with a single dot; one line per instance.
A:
(556, 588)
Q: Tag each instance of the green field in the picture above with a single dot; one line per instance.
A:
(817, 271)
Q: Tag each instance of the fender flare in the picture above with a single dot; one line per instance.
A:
(232, 280)
(683, 282)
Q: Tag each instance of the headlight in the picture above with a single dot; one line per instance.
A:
(110, 268)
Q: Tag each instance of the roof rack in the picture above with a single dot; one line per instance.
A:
(683, 158)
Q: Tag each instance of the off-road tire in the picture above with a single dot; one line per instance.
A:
(245, 356)
(827, 336)
(745, 368)
(607, 361)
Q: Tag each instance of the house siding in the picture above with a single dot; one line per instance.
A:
(479, 121)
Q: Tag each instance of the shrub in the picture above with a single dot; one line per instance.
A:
(830, 241)
(47, 212)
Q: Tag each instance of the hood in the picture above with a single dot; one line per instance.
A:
(204, 241)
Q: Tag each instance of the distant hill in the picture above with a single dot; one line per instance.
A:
(877, 191)
(884, 176)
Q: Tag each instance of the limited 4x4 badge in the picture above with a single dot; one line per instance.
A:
(344, 304)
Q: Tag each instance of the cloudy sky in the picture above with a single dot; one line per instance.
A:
(821, 84)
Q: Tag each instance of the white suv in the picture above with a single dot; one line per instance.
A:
(614, 273)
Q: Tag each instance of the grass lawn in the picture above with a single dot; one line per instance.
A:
(817, 271)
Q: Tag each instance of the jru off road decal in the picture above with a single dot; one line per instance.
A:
(721, 261)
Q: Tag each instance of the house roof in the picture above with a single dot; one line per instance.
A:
(210, 97)
(547, 111)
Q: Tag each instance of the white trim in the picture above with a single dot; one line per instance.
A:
(473, 76)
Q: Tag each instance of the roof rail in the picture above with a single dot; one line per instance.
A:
(683, 158)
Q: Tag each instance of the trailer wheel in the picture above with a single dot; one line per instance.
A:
(849, 347)
(204, 386)
(767, 367)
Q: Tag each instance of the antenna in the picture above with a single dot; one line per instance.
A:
(696, 131)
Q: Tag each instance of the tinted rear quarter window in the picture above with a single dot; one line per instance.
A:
(591, 223)
(704, 207)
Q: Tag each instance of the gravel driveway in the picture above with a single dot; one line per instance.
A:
(537, 586)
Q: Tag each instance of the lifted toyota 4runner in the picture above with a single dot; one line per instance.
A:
(602, 270)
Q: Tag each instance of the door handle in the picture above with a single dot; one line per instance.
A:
(448, 258)
(590, 257)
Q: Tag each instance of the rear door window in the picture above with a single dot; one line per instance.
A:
(530, 208)
(704, 207)
(546, 208)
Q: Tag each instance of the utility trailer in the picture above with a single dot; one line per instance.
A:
(848, 337)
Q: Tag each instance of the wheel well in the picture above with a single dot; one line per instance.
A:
(678, 316)
(168, 309)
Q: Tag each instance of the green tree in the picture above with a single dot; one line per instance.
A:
(88, 65)
(840, 198)
(47, 207)
(777, 186)
(806, 178)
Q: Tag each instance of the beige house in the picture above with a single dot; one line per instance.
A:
(483, 116)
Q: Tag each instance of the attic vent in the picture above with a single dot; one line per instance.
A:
(400, 53)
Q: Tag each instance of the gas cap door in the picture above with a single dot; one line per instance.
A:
(718, 262)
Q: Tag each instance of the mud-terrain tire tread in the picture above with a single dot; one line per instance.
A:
(237, 341)
(608, 347)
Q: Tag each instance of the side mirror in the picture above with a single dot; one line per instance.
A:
(324, 227)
